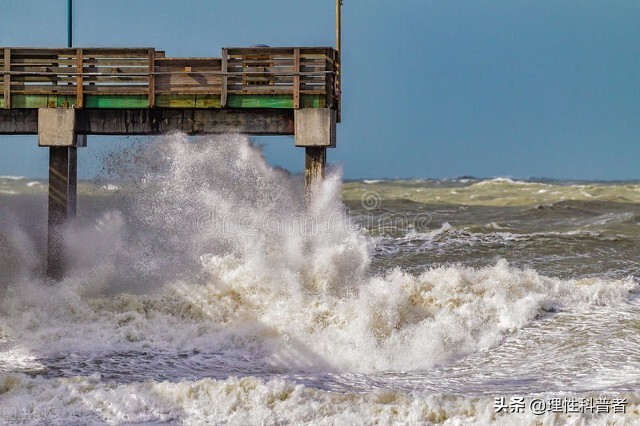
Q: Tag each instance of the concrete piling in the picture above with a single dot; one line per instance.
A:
(315, 130)
(56, 130)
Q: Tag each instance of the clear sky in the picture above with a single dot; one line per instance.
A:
(432, 88)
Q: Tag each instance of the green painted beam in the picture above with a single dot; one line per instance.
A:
(165, 101)
(313, 101)
(274, 101)
(187, 101)
(116, 101)
(42, 101)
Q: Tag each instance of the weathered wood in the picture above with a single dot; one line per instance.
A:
(7, 78)
(79, 83)
(190, 121)
(118, 62)
(18, 121)
(107, 72)
(195, 121)
(186, 100)
(223, 94)
(118, 90)
(152, 85)
(42, 89)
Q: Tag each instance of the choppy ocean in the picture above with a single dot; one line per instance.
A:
(202, 289)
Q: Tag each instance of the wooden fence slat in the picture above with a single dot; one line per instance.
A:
(289, 71)
(152, 81)
(296, 78)
(79, 83)
(7, 78)
(223, 94)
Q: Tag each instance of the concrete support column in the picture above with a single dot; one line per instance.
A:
(63, 168)
(315, 130)
(56, 130)
(315, 160)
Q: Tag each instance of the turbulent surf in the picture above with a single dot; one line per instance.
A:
(202, 288)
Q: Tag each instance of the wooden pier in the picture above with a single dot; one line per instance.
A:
(65, 94)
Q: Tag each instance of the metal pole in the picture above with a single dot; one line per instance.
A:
(338, 24)
(69, 23)
(339, 55)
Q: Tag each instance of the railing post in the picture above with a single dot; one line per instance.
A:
(296, 78)
(223, 93)
(7, 78)
(152, 77)
(79, 80)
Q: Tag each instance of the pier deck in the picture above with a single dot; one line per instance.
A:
(134, 78)
(63, 94)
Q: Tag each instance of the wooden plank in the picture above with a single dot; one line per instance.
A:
(312, 101)
(223, 95)
(188, 101)
(197, 60)
(40, 70)
(152, 82)
(36, 51)
(7, 78)
(117, 90)
(44, 79)
(2, 102)
(337, 68)
(30, 101)
(296, 78)
(139, 53)
(79, 83)
(117, 70)
(45, 90)
(113, 79)
(258, 50)
(116, 102)
(190, 78)
(17, 62)
(260, 101)
(119, 62)
(189, 91)
(263, 89)
(254, 60)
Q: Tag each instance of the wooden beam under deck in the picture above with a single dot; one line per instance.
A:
(159, 120)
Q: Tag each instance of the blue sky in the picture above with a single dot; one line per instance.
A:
(432, 88)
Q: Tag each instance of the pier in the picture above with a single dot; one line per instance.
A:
(66, 94)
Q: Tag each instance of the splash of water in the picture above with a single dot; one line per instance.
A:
(207, 248)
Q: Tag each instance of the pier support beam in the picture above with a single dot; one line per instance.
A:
(56, 130)
(63, 166)
(315, 130)
(315, 160)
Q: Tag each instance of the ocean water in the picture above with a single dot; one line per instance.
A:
(203, 289)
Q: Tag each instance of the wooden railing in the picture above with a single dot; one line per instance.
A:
(144, 77)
